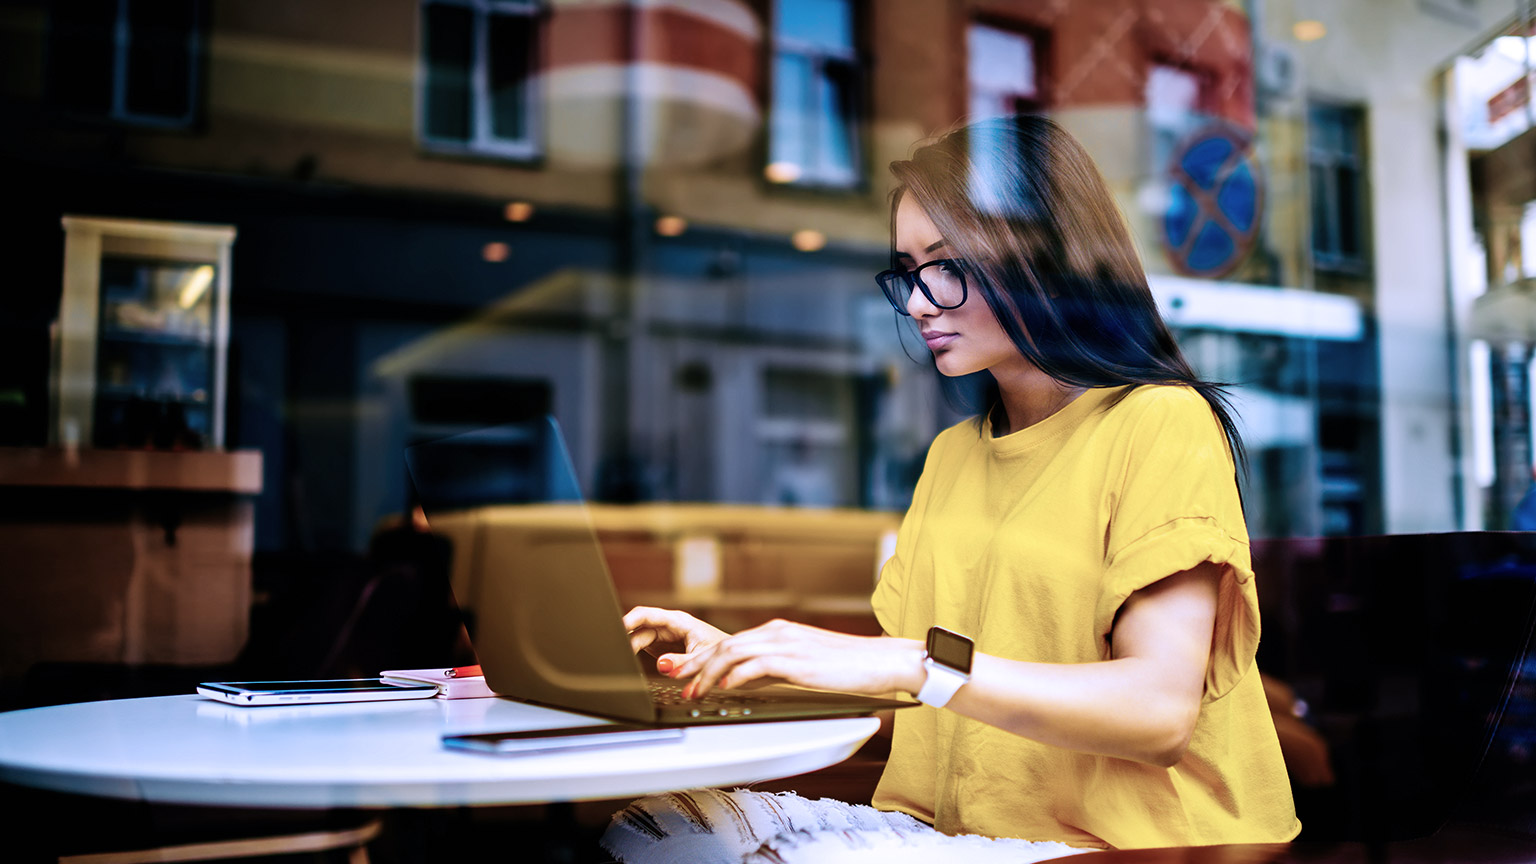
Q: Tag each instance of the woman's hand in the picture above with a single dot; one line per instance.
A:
(650, 629)
(785, 652)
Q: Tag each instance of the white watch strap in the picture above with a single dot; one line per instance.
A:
(941, 684)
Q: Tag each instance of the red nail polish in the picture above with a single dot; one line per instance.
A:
(664, 665)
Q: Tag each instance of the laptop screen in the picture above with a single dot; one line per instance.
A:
(510, 463)
(529, 568)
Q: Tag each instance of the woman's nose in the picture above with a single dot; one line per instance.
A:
(918, 305)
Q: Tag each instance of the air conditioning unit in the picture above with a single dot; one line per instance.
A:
(1276, 72)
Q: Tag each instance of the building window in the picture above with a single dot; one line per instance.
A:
(1336, 161)
(1001, 72)
(476, 82)
(805, 432)
(1174, 112)
(814, 130)
(132, 61)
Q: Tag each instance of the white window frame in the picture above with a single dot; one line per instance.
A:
(822, 174)
(482, 142)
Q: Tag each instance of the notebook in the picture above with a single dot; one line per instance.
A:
(549, 626)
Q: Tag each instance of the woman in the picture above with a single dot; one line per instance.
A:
(1085, 531)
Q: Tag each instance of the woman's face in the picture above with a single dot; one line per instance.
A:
(967, 338)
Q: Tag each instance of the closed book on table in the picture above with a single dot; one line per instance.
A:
(450, 684)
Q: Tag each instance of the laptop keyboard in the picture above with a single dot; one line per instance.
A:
(714, 702)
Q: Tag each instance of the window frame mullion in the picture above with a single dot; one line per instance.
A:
(479, 79)
(121, 35)
(814, 84)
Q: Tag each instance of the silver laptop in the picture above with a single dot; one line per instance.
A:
(549, 627)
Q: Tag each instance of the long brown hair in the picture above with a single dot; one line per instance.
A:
(1023, 205)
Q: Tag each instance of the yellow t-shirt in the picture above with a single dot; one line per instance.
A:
(1029, 543)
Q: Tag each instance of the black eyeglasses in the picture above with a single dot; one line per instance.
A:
(942, 281)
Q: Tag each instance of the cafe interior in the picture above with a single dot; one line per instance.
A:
(290, 283)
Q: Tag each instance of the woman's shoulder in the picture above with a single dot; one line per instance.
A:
(1164, 402)
(964, 435)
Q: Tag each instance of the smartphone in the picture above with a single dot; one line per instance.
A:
(330, 690)
(564, 739)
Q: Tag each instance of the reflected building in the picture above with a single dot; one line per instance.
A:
(659, 221)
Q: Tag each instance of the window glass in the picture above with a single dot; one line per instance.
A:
(509, 64)
(450, 35)
(1326, 130)
(81, 57)
(836, 116)
(1348, 213)
(791, 82)
(824, 24)
(1001, 60)
(805, 440)
(813, 137)
(160, 57)
(1322, 213)
(1335, 153)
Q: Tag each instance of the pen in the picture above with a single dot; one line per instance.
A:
(459, 671)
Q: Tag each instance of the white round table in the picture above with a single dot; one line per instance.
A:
(191, 750)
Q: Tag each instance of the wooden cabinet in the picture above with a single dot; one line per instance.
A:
(141, 347)
(124, 556)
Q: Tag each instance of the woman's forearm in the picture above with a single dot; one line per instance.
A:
(1113, 708)
(1141, 704)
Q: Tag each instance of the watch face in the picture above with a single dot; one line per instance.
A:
(950, 649)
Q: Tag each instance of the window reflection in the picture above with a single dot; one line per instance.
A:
(131, 61)
(1000, 71)
(478, 58)
(1336, 158)
(659, 221)
(814, 115)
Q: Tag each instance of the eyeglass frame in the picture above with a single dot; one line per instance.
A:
(912, 278)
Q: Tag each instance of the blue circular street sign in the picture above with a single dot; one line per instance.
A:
(1215, 199)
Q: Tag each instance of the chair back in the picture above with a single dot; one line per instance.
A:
(1407, 650)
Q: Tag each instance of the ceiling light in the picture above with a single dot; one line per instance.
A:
(782, 172)
(495, 253)
(671, 226)
(1308, 30)
(519, 211)
(807, 240)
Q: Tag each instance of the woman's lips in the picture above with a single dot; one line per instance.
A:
(939, 340)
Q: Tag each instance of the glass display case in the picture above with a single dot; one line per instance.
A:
(142, 335)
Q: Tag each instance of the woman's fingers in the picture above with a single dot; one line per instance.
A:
(754, 670)
(797, 654)
(774, 652)
(742, 659)
(641, 639)
(649, 626)
(640, 616)
(690, 664)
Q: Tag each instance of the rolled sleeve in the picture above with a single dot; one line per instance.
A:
(1176, 546)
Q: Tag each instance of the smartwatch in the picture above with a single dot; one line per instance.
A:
(948, 661)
